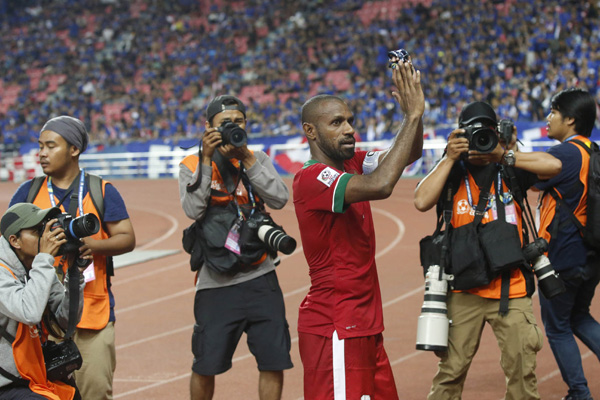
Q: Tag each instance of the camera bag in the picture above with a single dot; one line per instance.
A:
(430, 250)
(205, 240)
(500, 243)
(468, 263)
(193, 246)
(469, 266)
(433, 249)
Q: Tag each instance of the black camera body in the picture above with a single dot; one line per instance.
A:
(505, 130)
(481, 137)
(401, 54)
(272, 235)
(484, 138)
(548, 280)
(533, 250)
(75, 229)
(61, 359)
(232, 133)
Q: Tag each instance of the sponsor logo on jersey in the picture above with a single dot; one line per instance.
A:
(328, 176)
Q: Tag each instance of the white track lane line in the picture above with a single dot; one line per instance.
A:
(387, 249)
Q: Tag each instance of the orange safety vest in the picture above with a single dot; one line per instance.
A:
(96, 303)
(463, 214)
(547, 205)
(217, 184)
(219, 194)
(29, 360)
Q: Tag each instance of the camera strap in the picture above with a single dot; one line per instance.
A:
(73, 271)
(523, 203)
(194, 186)
(528, 226)
(3, 372)
(227, 170)
(484, 197)
(74, 277)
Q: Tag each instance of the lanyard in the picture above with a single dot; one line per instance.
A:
(79, 198)
(505, 197)
(250, 197)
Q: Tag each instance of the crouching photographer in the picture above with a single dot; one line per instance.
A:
(233, 245)
(34, 302)
(477, 187)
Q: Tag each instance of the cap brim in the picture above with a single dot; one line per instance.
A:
(477, 118)
(40, 216)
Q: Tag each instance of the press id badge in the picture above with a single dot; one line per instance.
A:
(89, 274)
(233, 237)
(511, 213)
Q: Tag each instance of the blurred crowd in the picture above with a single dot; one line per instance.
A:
(145, 69)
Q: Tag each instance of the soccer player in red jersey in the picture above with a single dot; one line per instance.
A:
(341, 319)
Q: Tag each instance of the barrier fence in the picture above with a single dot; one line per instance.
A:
(162, 161)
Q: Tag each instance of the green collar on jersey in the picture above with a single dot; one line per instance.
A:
(309, 163)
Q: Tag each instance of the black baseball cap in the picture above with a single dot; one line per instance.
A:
(222, 103)
(477, 111)
(23, 216)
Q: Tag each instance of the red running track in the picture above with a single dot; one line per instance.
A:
(154, 302)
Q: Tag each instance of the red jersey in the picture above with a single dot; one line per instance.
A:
(339, 246)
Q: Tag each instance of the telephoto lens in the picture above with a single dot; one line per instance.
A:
(548, 281)
(433, 324)
(276, 239)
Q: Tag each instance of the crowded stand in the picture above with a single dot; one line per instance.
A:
(144, 70)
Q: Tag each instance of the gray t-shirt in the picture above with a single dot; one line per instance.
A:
(266, 183)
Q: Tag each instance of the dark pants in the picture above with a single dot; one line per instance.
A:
(568, 315)
(20, 391)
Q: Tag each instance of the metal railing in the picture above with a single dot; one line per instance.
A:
(163, 162)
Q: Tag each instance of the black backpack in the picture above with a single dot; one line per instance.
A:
(591, 230)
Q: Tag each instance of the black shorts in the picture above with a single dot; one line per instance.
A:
(223, 314)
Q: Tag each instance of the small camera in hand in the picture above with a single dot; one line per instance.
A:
(505, 130)
(401, 54)
(232, 133)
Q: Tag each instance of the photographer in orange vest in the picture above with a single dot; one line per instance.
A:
(29, 288)
(65, 185)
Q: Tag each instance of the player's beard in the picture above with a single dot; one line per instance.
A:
(336, 150)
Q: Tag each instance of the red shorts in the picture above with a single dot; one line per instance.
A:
(355, 368)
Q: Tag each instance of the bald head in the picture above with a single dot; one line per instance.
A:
(314, 107)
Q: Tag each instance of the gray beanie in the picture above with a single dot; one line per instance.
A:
(71, 129)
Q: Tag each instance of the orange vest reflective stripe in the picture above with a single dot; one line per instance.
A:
(29, 360)
(96, 304)
(463, 214)
(548, 204)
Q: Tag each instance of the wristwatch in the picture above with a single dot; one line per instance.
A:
(508, 158)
